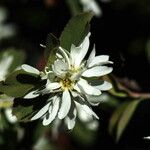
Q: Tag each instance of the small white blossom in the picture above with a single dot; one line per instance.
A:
(73, 83)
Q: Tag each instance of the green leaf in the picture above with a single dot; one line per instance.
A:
(52, 44)
(125, 118)
(24, 109)
(121, 117)
(19, 83)
(76, 30)
(115, 117)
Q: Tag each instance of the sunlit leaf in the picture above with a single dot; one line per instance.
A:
(115, 118)
(121, 118)
(19, 83)
(125, 118)
(76, 30)
(24, 109)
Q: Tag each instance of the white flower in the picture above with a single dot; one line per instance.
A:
(72, 82)
(91, 5)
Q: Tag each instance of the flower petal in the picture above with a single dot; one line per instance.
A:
(65, 105)
(88, 89)
(94, 100)
(31, 94)
(87, 109)
(105, 86)
(91, 56)
(52, 86)
(78, 53)
(97, 71)
(41, 112)
(70, 119)
(101, 59)
(30, 69)
(64, 55)
(52, 114)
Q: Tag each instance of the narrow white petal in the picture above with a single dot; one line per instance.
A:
(88, 89)
(74, 53)
(91, 56)
(97, 71)
(31, 94)
(52, 86)
(105, 86)
(70, 119)
(30, 69)
(82, 51)
(41, 112)
(76, 87)
(65, 105)
(90, 111)
(65, 55)
(98, 60)
(52, 112)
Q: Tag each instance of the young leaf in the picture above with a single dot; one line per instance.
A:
(51, 47)
(125, 118)
(19, 83)
(76, 30)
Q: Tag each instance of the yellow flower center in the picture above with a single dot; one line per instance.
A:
(66, 83)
